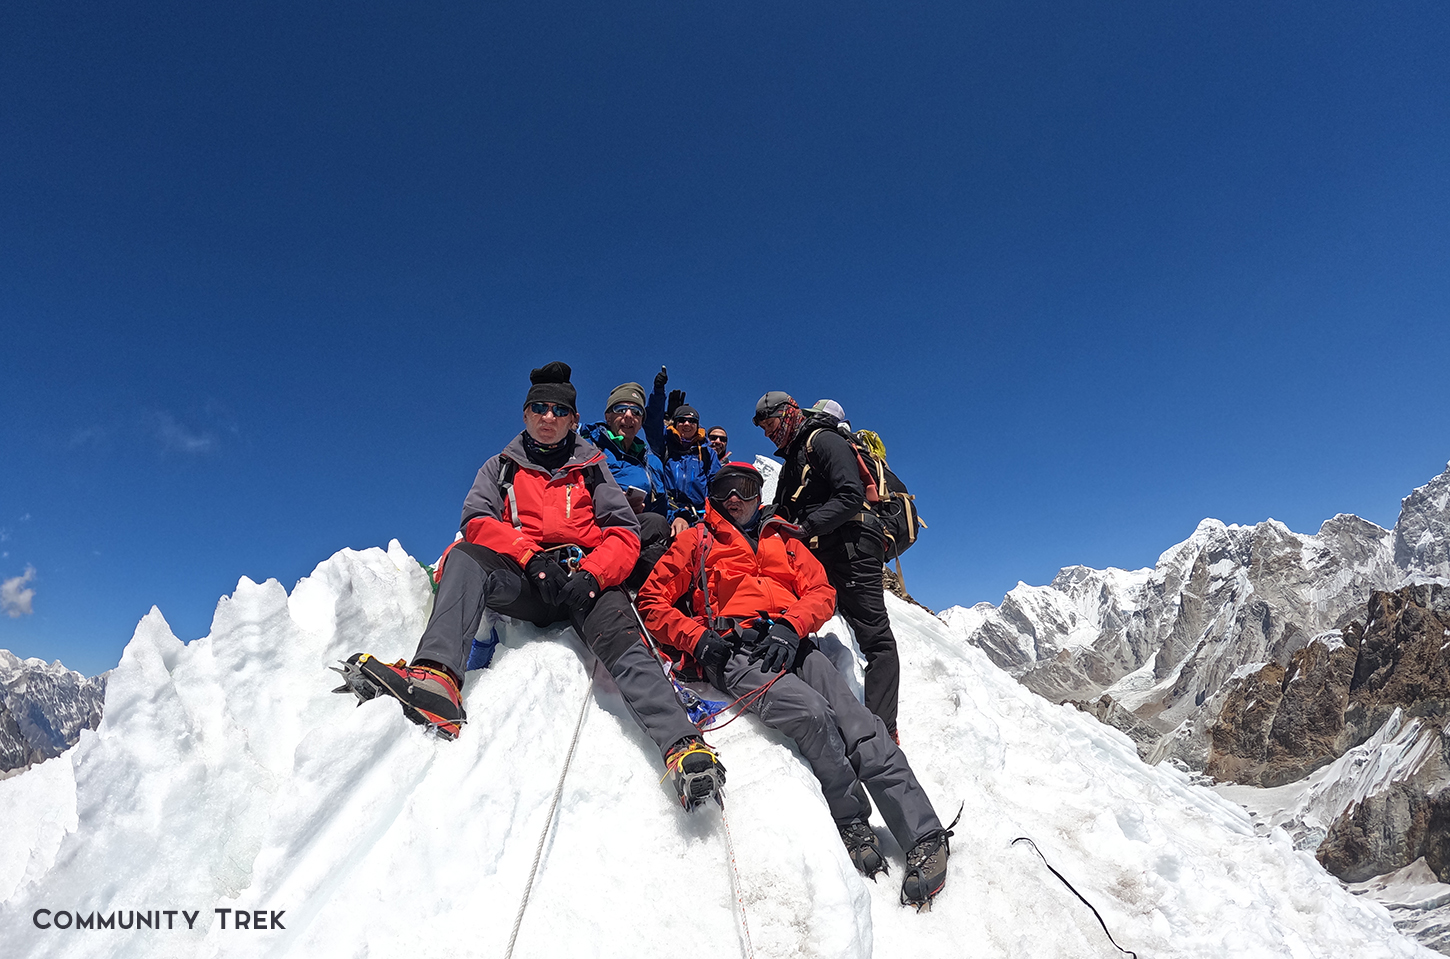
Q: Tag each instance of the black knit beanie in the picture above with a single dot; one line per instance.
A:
(551, 385)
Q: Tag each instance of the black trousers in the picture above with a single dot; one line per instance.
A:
(854, 559)
(475, 577)
(654, 539)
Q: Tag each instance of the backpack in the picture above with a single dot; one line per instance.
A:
(896, 506)
(886, 494)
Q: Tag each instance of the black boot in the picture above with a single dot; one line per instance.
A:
(697, 772)
(926, 869)
(865, 851)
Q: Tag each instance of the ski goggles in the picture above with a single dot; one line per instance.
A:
(745, 487)
(544, 409)
(619, 409)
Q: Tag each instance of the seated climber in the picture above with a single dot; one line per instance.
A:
(638, 472)
(689, 460)
(761, 596)
(547, 537)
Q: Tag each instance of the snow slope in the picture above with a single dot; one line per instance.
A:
(224, 775)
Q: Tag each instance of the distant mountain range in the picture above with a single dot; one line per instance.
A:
(43, 708)
(1162, 644)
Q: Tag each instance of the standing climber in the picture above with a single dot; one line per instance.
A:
(821, 490)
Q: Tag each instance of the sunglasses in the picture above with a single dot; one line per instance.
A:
(544, 409)
(687, 419)
(767, 415)
(718, 438)
(620, 409)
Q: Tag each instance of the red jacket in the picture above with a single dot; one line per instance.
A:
(779, 575)
(554, 509)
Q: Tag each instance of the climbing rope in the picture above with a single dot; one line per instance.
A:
(1126, 952)
(745, 944)
(549, 821)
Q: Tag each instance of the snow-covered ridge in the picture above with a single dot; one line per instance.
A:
(1163, 641)
(225, 775)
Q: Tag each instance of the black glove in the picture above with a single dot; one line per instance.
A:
(779, 648)
(711, 652)
(548, 577)
(677, 399)
(580, 592)
(661, 378)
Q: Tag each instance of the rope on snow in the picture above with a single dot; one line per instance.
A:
(745, 943)
(549, 821)
(1063, 879)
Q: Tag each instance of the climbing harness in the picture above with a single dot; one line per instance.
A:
(549, 820)
(1060, 876)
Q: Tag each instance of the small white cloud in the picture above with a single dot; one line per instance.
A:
(25, 518)
(178, 438)
(15, 599)
(4, 534)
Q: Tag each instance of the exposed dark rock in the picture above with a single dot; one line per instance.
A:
(1112, 713)
(892, 582)
(1407, 819)
(1279, 724)
(1402, 658)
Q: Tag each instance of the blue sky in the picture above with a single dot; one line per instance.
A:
(272, 279)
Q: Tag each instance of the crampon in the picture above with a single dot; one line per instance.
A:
(429, 697)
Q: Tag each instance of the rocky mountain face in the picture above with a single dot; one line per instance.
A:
(43, 708)
(1320, 664)
(1186, 657)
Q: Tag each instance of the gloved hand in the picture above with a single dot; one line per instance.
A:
(580, 592)
(711, 652)
(547, 576)
(779, 648)
(677, 399)
(661, 378)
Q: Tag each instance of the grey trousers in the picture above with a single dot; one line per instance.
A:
(847, 745)
(475, 577)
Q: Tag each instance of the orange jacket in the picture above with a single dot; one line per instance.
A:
(780, 576)
(554, 509)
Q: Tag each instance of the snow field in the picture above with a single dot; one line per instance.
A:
(225, 775)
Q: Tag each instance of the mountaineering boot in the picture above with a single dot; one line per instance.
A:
(865, 851)
(697, 772)
(926, 869)
(430, 697)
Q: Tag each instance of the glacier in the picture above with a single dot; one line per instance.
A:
(225, 775)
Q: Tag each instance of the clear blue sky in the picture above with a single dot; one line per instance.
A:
(272, 275)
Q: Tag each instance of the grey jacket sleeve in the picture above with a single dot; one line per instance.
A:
(485, 498)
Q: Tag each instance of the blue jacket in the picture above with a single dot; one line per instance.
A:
(688, 467)
(638, 467)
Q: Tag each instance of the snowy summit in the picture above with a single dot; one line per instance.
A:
(225, 777)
